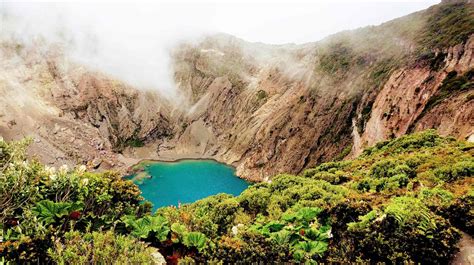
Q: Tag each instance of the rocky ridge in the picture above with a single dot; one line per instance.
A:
(264, 108)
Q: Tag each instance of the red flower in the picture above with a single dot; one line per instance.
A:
(74, 215)
(13, 222)
(302, 232)
(173, 259)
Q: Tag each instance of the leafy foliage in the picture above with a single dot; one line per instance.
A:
(148, 226)
(300, 231)
(49, 212)
(404, 223)
(39, 202)
(401, 201)
(195, 239)
(311, 217)
(99, 248)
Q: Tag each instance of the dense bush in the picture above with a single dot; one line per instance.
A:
(401, 201)
(39, 202)
(461, 213)
(457, 171)
(406, 230)
(99, 248)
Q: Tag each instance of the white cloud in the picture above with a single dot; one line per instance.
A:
(131, 40)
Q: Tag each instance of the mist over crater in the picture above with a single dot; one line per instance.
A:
(134, 42)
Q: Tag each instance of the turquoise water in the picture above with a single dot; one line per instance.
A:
(186, 181)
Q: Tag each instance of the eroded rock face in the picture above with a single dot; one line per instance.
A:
(408, 102)
(265, 109)
(74, 115)
(121, 113)
(270, 119)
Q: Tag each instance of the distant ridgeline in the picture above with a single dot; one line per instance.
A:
(404, 200)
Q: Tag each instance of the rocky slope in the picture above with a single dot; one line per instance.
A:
(263, 108)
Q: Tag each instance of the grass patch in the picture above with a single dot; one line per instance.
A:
(447, 25)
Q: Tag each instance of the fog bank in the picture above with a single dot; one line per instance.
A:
(132, 41)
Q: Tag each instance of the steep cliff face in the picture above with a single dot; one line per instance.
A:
(75, 115)
(122, 114)
(264, 108)
(294, 106)
(420, 97)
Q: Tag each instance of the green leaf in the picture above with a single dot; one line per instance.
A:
(312, 248)
(141, 227)
(195, 239)
(179, 228)
(307, 214)
(159, 225)
(281, 237)
(298, 255)
(49, 212)
(180, 231)
(274, 226)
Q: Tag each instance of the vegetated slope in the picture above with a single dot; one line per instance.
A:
(403, 200)
(264, 108)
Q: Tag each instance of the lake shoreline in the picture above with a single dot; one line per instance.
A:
(136, 168)
(178, 181)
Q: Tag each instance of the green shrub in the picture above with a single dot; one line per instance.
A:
(406, 230)
(436, 197)
(337, 177)
(457, 171)
(218, 210)
(423, 183)
(249, 247)
(134, 142)
(461, 213)
(405, 143)
(38, 202)
(390, 168)
(261, 94)
(99, 248)
(255, 199)
(447, 25)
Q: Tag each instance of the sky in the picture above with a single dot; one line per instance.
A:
(290, 22)
(131, 40)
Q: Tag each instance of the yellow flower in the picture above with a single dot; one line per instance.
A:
(85, 181)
